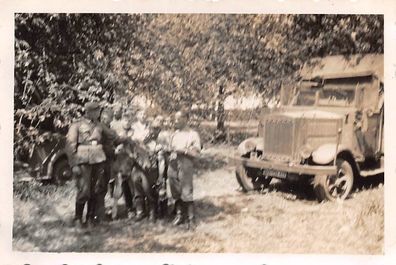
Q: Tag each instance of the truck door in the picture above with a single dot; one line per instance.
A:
(372, 122)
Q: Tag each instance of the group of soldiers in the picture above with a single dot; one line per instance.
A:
(91, 144)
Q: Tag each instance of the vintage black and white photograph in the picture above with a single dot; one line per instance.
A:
(198, 133)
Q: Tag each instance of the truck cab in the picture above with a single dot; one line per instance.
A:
(328, 127)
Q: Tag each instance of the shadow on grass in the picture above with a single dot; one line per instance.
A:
(303, 190)
(208, 163)
(206, 210)
(54, 233)
(371, 182)
(118, 236)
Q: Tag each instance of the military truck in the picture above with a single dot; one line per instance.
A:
(327, 129)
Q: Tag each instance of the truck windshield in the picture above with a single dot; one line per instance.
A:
(324, 97)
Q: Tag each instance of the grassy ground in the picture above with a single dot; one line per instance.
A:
(284, 219)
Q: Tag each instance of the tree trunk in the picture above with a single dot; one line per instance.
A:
(220, 134)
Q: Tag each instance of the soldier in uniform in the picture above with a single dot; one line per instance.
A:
(123, 129)
(185, 144)
(86, 157)
(140, 129)
(162, 133)
(146, 180)
(158, 143)
(110, 138)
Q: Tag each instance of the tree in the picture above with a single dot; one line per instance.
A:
(65, 60)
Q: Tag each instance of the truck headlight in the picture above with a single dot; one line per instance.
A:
(250, 145)
(305, 151)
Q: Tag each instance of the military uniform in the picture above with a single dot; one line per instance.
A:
(109, 140)
(164, 194)
(140, 131)
(145, 179)
(180, 171)
(123, 129)
(161, 148)
(86, 157)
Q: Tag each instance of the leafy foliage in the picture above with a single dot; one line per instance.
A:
(65, 60)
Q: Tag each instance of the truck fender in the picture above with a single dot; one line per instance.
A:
(326, 153)
(250, 144)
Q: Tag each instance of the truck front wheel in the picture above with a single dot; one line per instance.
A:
(251, 178)
(335, 187)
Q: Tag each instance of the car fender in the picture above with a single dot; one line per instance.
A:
(326, 153)
(54, 159)
(250, 144)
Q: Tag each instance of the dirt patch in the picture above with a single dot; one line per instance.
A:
(278, 220)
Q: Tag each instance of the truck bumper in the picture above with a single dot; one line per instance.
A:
(283, 167)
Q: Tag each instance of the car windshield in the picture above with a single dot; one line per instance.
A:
(324, 97)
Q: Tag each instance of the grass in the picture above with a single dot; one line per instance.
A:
(277, 221)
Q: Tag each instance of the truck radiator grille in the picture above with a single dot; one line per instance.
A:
(278, 139)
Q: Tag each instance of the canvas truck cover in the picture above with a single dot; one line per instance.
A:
(339, 66)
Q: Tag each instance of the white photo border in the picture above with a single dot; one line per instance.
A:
(9, 8)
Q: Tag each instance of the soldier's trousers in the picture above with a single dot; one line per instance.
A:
(128, 191)
(180, 177)
(143, 185)
(101, 189)
(90, 186)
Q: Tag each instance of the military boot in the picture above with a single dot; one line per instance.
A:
(191, 215)
(179, 218)
(162, 208)
(152, 216)
(131, 214)
(140, 213)
(152, 212)
(77, 220)
(91, 214)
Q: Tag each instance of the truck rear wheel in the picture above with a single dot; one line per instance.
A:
(251, 178)
(334, 187)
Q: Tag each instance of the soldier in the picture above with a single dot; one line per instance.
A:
(163, 145)
(86, 157)
(185, 144)
(140, 129)
(160, 146)
(123, 129)
(145, 180)
(110, 138)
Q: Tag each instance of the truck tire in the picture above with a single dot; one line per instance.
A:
(335, 187)
(251, 178)
(61, 171)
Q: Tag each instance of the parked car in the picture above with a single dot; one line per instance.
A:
(48, 160)
(329, 129)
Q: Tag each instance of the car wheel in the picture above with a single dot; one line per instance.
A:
(61, 171)
(251, 178)
(335, 187)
